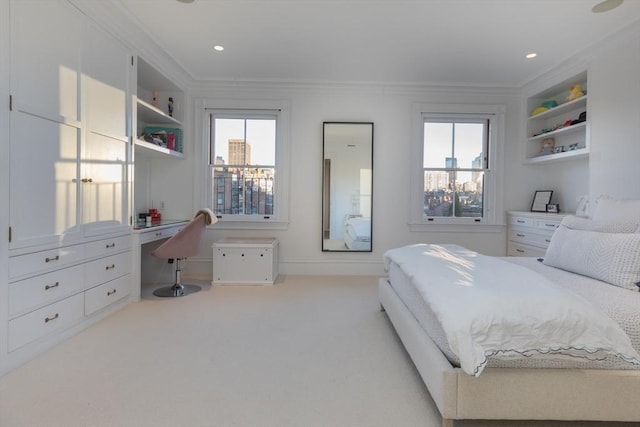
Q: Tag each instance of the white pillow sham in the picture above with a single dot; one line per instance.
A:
(610, 209)
(610, 257)
(621, 226)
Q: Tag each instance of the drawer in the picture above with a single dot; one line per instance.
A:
(38, 262)
(107, 268)
(52, 318)
(153, 235)
(548, 224)
(105, 294)
(41, 290)
(522, 221)
(107, 246)
(518, 249)
(526, 236)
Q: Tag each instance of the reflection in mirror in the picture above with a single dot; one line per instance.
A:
(347, 186)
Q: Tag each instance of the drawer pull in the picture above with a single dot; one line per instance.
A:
(159, 233)
(113, 245)
(550, 225)
(49, 319)
(519, 235)
(109, 293)
(520, 250)
(520, 221)
(109, 267)
(85, 180)
(547, 240)
(55, 285)
(56, 258)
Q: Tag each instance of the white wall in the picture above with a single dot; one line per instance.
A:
(389, 108)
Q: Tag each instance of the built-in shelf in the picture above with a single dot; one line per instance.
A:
(572, 141)
(147, 149)
(153, 115)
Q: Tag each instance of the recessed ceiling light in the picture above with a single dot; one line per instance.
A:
(531, 55)
(185, 1)
(218, 48)
(606, 6)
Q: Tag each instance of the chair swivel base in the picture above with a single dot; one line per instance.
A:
(177, 290)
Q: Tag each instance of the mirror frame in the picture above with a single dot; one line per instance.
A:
(327, 190)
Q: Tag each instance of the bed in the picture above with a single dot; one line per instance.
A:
(357, 233)
(559, 387)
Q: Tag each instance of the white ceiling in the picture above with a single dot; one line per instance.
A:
(459, 42)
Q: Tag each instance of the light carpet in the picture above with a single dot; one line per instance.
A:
(308, 351)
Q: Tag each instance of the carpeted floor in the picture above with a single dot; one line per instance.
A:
(309, 351)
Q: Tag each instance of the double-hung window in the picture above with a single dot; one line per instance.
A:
(247, 168)
(455, 165)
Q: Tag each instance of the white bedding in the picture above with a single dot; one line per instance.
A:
(474, 331)
(357, 234)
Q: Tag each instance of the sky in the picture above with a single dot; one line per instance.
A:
(260, 135)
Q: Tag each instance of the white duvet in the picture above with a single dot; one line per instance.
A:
(489, 307)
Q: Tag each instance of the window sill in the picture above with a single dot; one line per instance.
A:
(456, 228)
(251, 225)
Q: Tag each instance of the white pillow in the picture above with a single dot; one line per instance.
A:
(610, 209)
(611, 257)
(621, 226)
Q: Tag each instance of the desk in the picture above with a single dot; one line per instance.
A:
(143, 235)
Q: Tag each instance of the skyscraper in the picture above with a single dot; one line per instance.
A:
(239, 152)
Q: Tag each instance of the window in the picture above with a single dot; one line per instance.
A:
(243, 162)
(246, 164)
(456, 178)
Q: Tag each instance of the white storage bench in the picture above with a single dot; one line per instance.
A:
(245, 260)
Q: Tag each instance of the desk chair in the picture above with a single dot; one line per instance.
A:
(183, 244)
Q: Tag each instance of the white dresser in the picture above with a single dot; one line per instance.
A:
(529, 233)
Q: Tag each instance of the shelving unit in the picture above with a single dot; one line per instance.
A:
(551, 123)
(151, 80)
(151, 115)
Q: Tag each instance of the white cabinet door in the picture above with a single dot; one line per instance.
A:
(104, 185)
(106, 68)
(44, 181)
(45, 127)
(45, 58)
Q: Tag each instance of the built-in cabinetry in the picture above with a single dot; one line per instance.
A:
(153, 162)
(69, 219)
(561, 122)
(529, 233)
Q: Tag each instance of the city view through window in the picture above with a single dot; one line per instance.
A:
(244, 169)
(453, 168)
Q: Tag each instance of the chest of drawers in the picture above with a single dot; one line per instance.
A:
(529, 233)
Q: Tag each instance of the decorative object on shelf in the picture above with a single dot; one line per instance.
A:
(573, 147)
(553, 208)
(581, 118)
(548, 145)
(154, 102)
(170, 107)
(558, 149)
(540, 200)
(575, 92)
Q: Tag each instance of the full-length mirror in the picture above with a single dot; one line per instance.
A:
(347, 186)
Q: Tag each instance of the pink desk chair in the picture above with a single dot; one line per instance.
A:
(183, 244)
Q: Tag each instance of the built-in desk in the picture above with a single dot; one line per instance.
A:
(143, 235)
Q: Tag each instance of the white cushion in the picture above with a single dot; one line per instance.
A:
(611, 257)
(610, 209)
(619, 226)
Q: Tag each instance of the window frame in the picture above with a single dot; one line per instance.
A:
(280, 217)
(493, 217)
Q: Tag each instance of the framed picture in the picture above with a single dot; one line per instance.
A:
(540, 201)
(553, 208)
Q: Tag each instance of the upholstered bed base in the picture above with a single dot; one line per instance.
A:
(511, 393)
